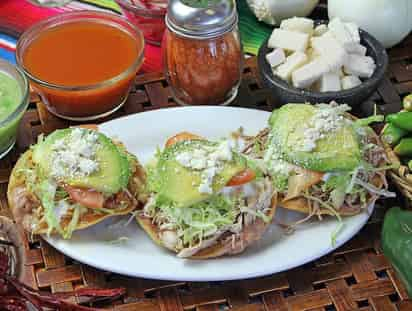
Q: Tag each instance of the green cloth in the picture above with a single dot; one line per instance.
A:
(109, 4)
(252, 32)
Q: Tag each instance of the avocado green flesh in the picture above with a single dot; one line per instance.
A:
(337, 151)
(180, 184)
(113, 173)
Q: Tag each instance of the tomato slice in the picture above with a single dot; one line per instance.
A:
(182, 136)
(242, 178)
(86, 197)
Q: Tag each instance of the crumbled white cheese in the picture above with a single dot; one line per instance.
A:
(223, 152)
(184, 158)
(275, 161)
(87, 166)
(74, 155)
(61, 209)
(209, 161)
(205, 188)
(327, 119)
(198, 163)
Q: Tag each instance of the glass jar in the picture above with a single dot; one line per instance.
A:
(202, 53)
(14, 99)
(148, 15)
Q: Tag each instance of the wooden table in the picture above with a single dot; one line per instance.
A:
(356, 276)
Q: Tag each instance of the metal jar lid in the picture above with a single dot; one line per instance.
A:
(201, 18)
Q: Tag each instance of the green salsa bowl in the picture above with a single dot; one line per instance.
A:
(14, 99)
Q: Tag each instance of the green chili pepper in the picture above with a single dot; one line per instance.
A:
(407, 103)
(404, 148)
(392, 134)
(397, 243)
(410, 165)
(405, 160)
(401, 119)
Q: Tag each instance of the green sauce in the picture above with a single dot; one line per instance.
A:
(10, 99)
(10, 95)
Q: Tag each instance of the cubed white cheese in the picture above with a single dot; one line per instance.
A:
(330, 49)
(312, 54)
(358, 49)
(360, 66)
(320, 30)
(342, 34)
(349, 82)
(354, 31)
(276, 57)
(292, 62)
(299, 24)
(288, 40)
(309, 73)
(330, 82)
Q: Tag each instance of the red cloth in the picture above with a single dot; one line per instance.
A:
(18, 15)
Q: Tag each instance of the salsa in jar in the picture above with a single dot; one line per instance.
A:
(202, 53)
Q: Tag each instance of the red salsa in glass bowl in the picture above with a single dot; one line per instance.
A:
(82, 64)
(148, 15)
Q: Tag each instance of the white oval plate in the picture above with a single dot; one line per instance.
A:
(136, 255)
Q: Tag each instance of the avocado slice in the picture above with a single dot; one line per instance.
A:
(337, 151)
(113, 171)
(180, 184)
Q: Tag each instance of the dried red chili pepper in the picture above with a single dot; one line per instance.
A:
(12, 303)
(14, 295)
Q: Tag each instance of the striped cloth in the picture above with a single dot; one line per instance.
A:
(7, 47)
(18, 15)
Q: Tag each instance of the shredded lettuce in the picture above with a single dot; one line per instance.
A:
(67, 233)
(46, 191)
(197, 222)
(252, 164)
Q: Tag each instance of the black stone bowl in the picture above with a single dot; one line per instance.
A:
(286, 93)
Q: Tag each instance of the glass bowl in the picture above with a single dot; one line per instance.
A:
(148, 15)
(84, 101)
(10, 122)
